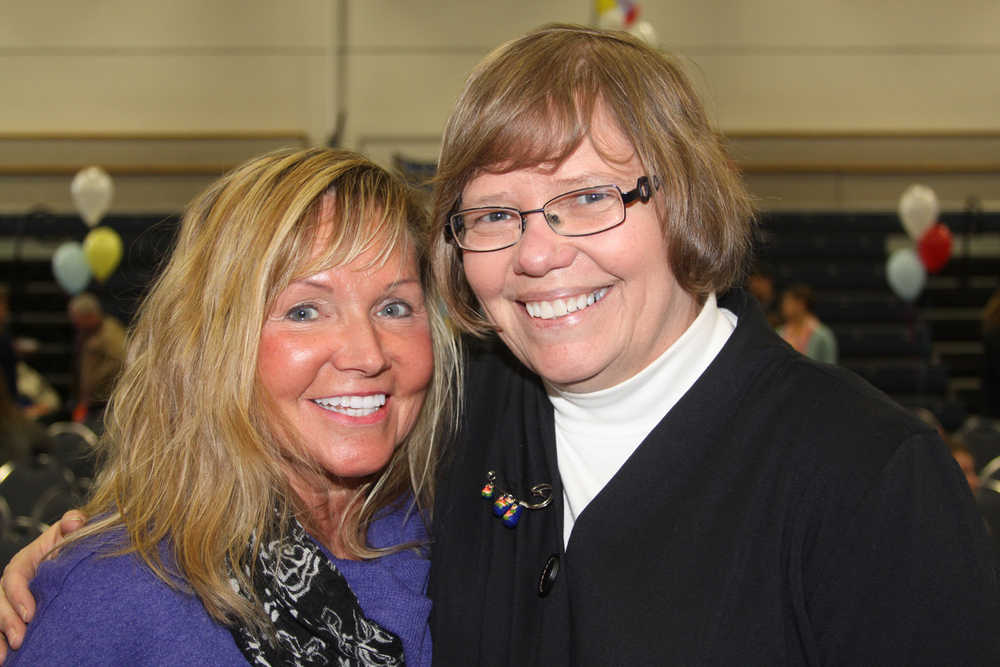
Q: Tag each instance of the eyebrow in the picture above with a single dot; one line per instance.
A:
(584, 180)
(318, 284)
(403, 281)
(587, 180)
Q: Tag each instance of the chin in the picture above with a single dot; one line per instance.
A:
(355, 472)
(567, 378)
(357, 469)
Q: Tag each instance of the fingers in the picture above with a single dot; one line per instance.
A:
(17, 605)
(70, 522)
(11, 623)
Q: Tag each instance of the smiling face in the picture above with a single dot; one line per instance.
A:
(345, 359)
(588, 312)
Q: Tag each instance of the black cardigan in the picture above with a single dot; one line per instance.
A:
(783, 512)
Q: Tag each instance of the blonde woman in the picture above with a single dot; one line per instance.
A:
(270, 447)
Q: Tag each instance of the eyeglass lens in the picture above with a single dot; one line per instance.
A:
(576, 213)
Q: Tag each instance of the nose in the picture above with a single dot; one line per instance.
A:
(540, 249)
(361, 349)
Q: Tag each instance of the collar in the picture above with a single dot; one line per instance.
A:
(634, 406)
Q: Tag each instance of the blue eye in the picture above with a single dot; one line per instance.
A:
(302, 313)
(592, 197)
(396, 309)
(493, 216)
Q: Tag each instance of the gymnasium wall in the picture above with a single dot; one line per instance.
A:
(829, 105)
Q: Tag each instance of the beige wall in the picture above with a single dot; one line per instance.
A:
(842, 64)
(166, 66)
(395, 66)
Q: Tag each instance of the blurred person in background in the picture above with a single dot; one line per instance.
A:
(760, 283)
(39, 397)
(8, 357)
(99, 353)
(963, 457)
(25, 385)
(20, 437)
(991, 357)
(802, 329)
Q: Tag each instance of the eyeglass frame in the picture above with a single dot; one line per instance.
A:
(643, 191)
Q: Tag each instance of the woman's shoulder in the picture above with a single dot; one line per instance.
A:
(836, 417)
(96, 604)
(99, 562)
(824, 331)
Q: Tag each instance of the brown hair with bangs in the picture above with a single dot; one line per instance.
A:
(531, 102)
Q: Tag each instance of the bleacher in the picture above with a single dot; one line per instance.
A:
(928, 353)
(38, 303)
(36, 491)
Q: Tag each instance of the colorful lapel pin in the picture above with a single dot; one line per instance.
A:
(507, 506)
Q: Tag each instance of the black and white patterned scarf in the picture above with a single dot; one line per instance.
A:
(316, 616)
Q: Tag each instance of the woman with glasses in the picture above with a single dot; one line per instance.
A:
(646, 474)
(665, 481)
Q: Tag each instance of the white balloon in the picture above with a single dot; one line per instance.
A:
(92, 191)
(644, 31)
(905, 273)
(918, 210)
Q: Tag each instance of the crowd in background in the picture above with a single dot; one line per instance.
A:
(29, 402)
(975, 445)
(99, 349)
(793, 315)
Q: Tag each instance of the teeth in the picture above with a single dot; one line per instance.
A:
(352, 406)
(548, 310)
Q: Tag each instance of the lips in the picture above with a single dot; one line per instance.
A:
(548, 310)
(352, 405)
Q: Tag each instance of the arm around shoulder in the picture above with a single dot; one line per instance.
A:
(96, 609)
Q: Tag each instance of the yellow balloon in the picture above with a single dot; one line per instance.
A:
(103, 249)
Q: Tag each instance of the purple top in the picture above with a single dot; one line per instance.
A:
(96, 610)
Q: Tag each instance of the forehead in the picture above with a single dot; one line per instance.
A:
(362, 237)
(375, 256)
(368, 272)
(604, 156)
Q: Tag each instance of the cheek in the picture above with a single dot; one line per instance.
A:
(643, 252)
(418, 355)
(485, 273)
(414, 363)
(285, 365)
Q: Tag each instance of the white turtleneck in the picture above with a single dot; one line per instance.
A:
(597, 432)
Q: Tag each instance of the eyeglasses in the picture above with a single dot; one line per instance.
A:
(575, 213)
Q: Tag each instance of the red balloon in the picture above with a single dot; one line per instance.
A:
(934, 247)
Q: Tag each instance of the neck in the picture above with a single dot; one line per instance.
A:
(799, 321)
(324, 503)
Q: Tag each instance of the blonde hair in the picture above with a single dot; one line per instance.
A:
(192, 454)
(532, 101)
